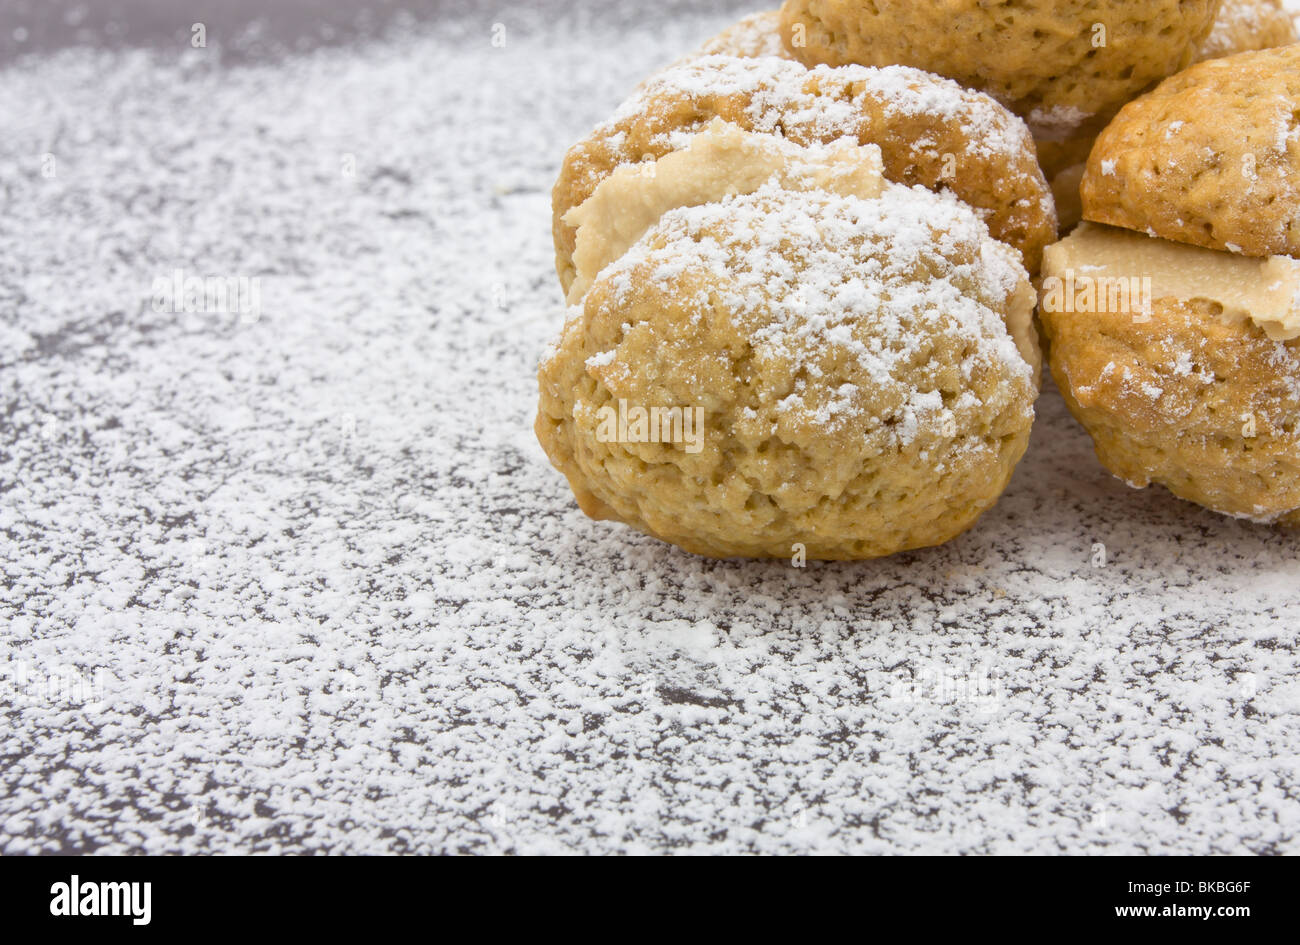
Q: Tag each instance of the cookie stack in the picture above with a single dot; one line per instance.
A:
(1065, 66)
(798, 267)
(1174, 314)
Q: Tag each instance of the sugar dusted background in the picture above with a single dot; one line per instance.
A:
(303, 581)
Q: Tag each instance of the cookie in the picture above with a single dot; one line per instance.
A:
(930, 132)
(1183, 364)
(1057, 63)
(721, 160)
(792, 374)
(1246, 25)
(1062, 151)
(1211, 157)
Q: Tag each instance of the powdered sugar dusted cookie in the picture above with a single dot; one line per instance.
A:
(1210, 157)
(930, 132)
(719, 161)
(1242, 26)
(1058, 63)
(1175, 333)
(1183, 364)
(1247, 25)
(786, 373)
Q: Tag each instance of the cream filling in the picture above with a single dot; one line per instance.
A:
(720, 161)
(1102, 268)
(1020, 325)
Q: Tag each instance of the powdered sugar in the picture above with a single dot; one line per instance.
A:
(780, 262)
(1237, 19)
(784, 93)
(1056, 123)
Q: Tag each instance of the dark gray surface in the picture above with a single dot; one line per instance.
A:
(256, 29)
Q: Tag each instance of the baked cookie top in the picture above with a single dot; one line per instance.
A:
(1055, 62)
(1181, 397)
(1210, 157)
(855, 362)
(1246, 25)
(930, 132)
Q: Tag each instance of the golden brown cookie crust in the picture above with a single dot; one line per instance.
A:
(1206, 408)
(1210, 157)
(1246, 25)
(1043, 58)
(861, 392)
(930, 131)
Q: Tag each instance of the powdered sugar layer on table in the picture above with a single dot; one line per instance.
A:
(325, 593)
